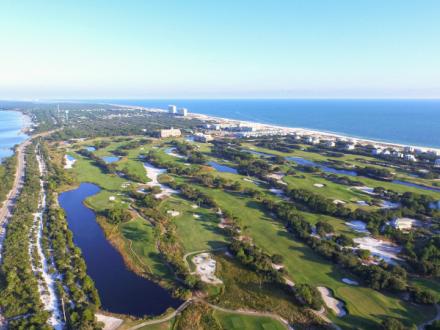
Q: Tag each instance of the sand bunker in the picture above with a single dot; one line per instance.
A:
(172, 152)
(205, 268)
(365, 189)
(338, 201)
(351, 282)
(69, 161)
(318, 185)
(153, 174)
(334, 304)
(381, 249)
(110, 323)
(358, 226)
(173, 213)
(278, 192)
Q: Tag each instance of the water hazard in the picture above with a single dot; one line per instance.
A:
(121, 290)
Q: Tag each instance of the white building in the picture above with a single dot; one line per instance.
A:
(437, 163)
(330, 144)
(312, 140)
(410, 158)
(409, 149)
(182, 112)
(350, 146)
(376, 151)
(172, 132)
(403, 223)
(172, 109)
(200, 137)
(397, 154)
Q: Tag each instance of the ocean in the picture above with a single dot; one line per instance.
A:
(412, 122)
(11, 125)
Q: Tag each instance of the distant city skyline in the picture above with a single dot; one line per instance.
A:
(226, 49)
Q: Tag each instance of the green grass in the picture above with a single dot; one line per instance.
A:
(195, 234)
(305, 266)
(243, 322)
(141, 243)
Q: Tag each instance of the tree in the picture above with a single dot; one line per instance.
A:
(392, 324)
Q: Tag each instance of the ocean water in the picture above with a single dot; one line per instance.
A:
(11, 124)
(413, 122)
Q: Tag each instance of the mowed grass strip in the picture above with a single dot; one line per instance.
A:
(196, 234)
(244, 322)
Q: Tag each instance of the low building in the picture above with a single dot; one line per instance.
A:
(199, 137)
(172, 132)
(312, 140)
(403, 223)
(410, 157)
(437, 163)
(376, 151)
(397, 154)
(330, 144)
(350, 146)
(409, 149)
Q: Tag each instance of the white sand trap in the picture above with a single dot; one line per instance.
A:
(389, 205)
(278, 192)
(277, 267)
(365, 189)
(153, 174)
(334, 304)
(383, 250)
(338, 201)
(172, 152)
(205, 268)
(173, 213)
(197, 216)
(362, 203)
(112, 198)
(318, 185)
(194, 206)
(358, 226)
(69, 161)
(351, 282)
(110, 323)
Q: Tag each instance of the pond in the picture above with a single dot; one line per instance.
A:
(415, 185)
(306, 162)
(222, 168)
(90, 148)
(121, 291)
(110, 159)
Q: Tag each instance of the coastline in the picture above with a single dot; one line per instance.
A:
(291, 130)
(15, 135)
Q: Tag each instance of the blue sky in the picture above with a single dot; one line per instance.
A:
(228, 48)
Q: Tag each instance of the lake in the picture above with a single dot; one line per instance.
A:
(222, 168)
(121, 290)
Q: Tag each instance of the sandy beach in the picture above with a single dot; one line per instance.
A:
(288, 130)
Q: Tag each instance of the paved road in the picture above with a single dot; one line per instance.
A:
(9, 203)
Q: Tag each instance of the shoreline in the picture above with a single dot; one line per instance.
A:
(287, 129)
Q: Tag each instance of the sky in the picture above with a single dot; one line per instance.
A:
(219, 49)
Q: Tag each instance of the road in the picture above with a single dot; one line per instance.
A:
(11, 198)
(7, 208)
(9, 203)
